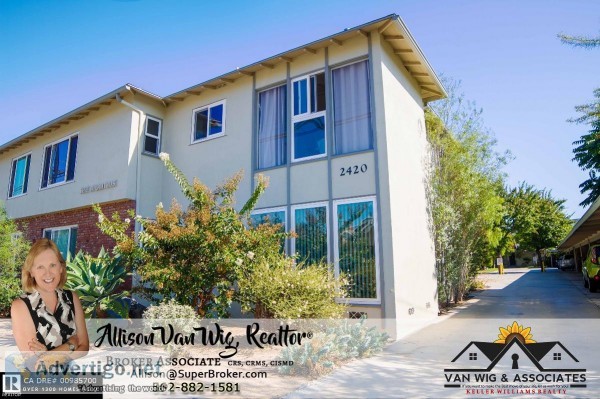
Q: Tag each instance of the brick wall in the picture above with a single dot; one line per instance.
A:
(89, 237)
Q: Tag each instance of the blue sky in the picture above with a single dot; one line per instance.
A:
(57, 55)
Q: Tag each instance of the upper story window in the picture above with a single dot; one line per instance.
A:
(59, 162)
(272, 127)
(152, 135)
(208, 122)
(19, 176)
(351, 108)
(308, 117)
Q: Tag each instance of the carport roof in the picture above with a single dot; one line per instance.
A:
(586, 230)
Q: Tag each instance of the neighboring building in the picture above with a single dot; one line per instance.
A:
(337, 125)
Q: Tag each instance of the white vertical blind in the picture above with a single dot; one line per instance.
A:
(310, 225)
(356, 247)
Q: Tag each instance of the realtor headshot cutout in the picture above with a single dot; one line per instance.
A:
(47, 320)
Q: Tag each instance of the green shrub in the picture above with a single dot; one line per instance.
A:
(181, 317)
(10, 288)
(95, 280)
(170, 309)
(13, 250)
(210, 255)
(196, 254)
(279, 289)
(344, 341)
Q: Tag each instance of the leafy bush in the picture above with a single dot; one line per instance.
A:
(194, 254)
(181, 317)
(170, 309)
(210, 255)
(279, 289)
(337, 344)
(10, 288)
(95, 281)
(13, 250)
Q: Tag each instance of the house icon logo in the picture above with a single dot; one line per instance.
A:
(517, 360)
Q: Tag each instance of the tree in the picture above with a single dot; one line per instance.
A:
(196, 255)
(537, 220)
(580, 41)
(587, 148)
(211, 254)
(13, 250)
(465, 184)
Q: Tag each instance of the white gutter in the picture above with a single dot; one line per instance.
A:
(139, 156)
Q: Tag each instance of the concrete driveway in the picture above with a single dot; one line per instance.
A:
(553, 304)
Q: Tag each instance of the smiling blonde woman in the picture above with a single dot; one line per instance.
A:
(47, 318)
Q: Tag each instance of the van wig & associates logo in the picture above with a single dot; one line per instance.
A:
(515, 365)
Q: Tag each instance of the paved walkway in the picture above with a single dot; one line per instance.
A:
(413, 367)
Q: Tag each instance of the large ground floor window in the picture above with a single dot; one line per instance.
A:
(355, 243)
(65, 239)
(273, 216)
(309, 222)
(353, 238)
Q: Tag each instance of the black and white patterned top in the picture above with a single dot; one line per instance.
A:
(53, 329)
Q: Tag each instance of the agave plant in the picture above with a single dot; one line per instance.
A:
(95, 281)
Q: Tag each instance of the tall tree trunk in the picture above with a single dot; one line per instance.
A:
(538, 251)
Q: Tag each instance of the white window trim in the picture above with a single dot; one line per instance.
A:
(286, 225)
(358, 301)
(208, 136)
(158, 138)
(68, 154)
(11, 171)
(293, 223)
(62, 228)
(306, 116)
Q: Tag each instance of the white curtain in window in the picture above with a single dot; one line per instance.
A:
(351, 108)
(272, 127)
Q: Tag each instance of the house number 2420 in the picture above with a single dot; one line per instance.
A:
(353, 170)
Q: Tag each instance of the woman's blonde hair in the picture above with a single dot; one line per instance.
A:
(27, 282)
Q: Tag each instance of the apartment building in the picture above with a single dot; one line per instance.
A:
(337, 125)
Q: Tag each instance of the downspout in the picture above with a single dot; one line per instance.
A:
(138, 155)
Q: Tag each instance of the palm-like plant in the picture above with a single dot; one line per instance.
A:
(95, 281)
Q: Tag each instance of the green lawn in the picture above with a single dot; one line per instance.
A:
(489, 270)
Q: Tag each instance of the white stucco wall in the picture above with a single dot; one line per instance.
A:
(411, 284)
(276, 193)
(151, 171)
(271, 77)
(213, 160)
(102, 155)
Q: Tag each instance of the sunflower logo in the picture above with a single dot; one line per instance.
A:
(515, 331)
